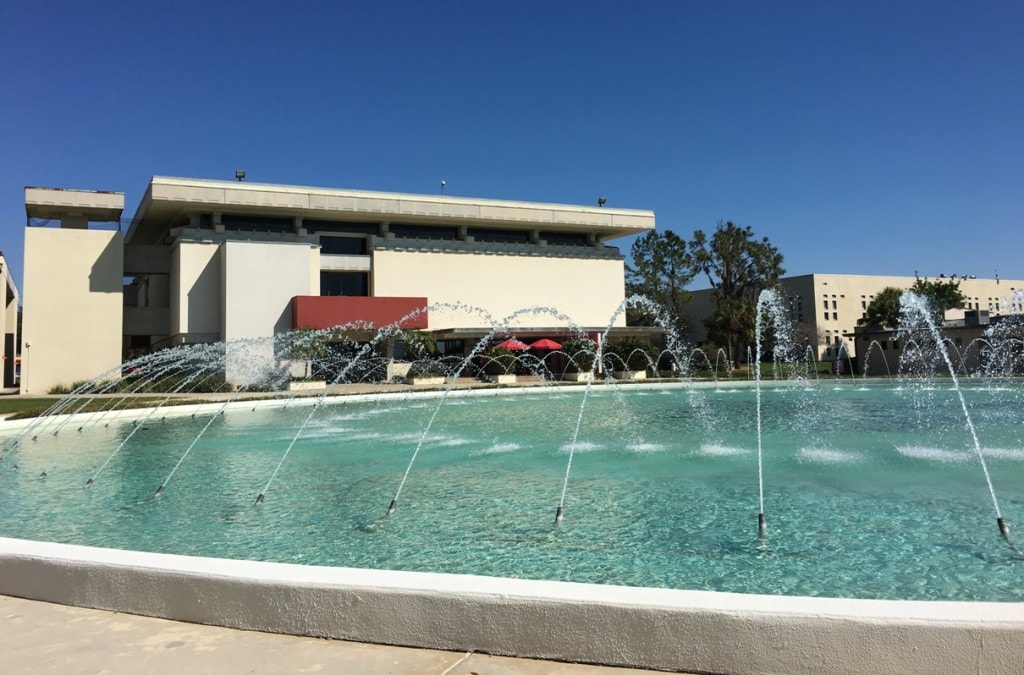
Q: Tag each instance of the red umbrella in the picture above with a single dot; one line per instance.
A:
(514, 345)
(545, 343)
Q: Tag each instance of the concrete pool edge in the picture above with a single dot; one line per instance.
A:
(640, 627)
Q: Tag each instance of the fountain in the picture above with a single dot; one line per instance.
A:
(873, 486)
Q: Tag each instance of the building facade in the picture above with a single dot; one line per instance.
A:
(9, 327)
(206, 261)
(827, 307)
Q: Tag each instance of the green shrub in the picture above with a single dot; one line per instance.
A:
(501, 361)
(581, 354)
(634, 352)
(426, 368)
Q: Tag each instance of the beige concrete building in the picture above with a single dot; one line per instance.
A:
(828, 306)
(9, 326)
(206, 260)
(72, 288)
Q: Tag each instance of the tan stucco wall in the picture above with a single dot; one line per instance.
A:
(8, 323)
(587, 290)
(195, 290)
(72, 306)
(258, 282)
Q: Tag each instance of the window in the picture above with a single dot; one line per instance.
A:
(424, 231)
(257, 223)
(835, 316)
(345, 283)
(826, 316)
(499, 236)
(340, 227)
(564, 238)
(343, 245)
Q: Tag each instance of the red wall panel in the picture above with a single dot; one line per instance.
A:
(314, 311)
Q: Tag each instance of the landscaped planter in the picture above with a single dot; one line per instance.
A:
(421, 381)
(630, 374)
(578, 377)
(306, 385)
(504, 378)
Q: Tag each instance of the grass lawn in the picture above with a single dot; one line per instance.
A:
(14, 407)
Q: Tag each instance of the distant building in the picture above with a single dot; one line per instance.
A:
(206, 260)
(827, 307)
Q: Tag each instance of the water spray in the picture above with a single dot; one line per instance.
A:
(911, 302)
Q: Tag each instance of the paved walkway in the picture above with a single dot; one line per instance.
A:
(39, 637)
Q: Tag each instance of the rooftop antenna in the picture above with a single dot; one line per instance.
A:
(442, 186)
(601, 201)
(240, 174)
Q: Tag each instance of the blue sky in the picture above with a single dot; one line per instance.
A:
(859, 137)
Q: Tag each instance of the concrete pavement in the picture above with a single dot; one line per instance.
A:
(39, 638)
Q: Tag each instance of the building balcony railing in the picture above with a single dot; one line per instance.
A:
(317, 312)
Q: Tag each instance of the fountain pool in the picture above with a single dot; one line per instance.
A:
(871, 490)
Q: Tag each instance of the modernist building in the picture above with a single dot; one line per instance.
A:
(206, 260)
(828, 306)
(9, 326)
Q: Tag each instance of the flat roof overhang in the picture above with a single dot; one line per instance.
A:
(54, 203)
(168, 200)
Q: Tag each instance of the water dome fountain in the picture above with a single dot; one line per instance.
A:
(878, 492)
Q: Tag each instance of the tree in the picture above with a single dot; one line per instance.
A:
(738, 267)
(419, 344)
(884, 310)
(940, 295)
(662, 268)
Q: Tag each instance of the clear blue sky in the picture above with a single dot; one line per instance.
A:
(860, 137)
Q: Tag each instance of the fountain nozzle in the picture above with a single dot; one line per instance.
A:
(762, 526)
(259, 500)
(159, 491)
(1004, 530)
(559, 514)
(392, 506)
(88, 483)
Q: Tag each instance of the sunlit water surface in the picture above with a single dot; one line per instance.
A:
(870, 491)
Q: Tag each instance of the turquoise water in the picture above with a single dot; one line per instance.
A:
(870, 492)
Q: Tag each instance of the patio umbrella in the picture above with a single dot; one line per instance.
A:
(545, 343)
(514, 345)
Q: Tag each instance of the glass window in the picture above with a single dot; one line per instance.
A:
(257, 223)
(564, 238)
(340, 227)
(343, 245)
(345, 283)
(424, 231)
(499, 236)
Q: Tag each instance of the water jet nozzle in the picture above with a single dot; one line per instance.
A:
(392, 506)
(89, 483)
(259, 500)
(159, 491)
(762, 526)
(1004, 530)
(42, 475)
(559, 514)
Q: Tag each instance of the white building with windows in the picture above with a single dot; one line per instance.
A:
(209, 260)
(827, 307)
